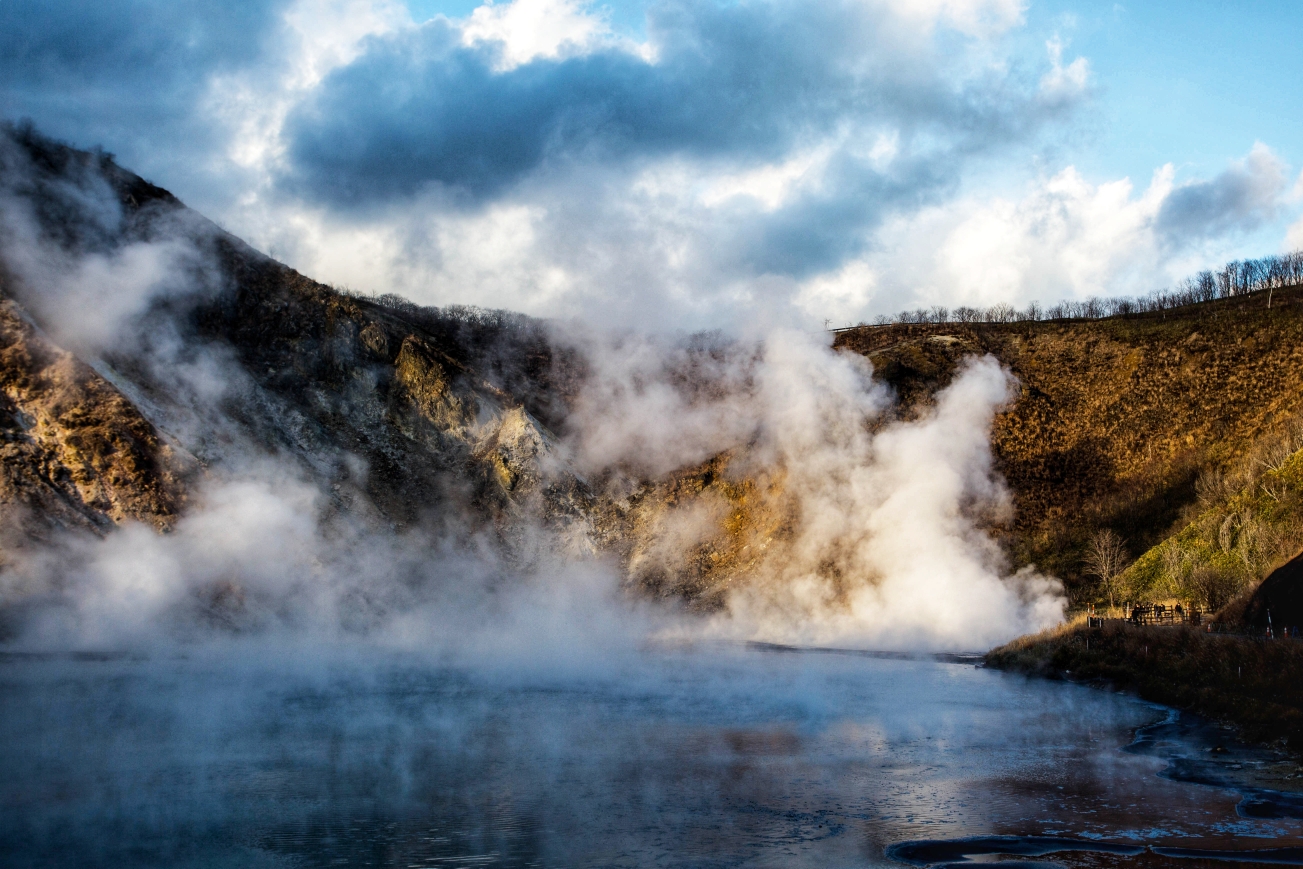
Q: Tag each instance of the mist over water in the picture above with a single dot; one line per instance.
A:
(718, 757)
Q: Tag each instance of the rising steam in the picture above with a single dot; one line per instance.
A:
(840, 525)
(880, 530)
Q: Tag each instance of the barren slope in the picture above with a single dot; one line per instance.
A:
(1116, 417)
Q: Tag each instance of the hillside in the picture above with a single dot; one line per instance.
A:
(1117, 418)
(76, 452)
(440, 423)
(397, 412)
(462, 424)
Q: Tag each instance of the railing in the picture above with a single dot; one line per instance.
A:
(1152, 614)
(1161, 614)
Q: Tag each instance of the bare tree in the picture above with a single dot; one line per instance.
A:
(1211, 588)
(1235, 278)
(1106, 557)
(1001, 313)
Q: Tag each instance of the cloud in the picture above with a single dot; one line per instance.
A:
(1294, 236)
(173, 46)
(1065, 238)
(1063, 84)
(529, 154)
(315, 37)
(130, 75)
(973, 17)
(737, 83)
(731, 162)
(524, 30)
(1242, 197)
(699, 175)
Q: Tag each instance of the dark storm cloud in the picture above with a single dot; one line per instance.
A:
(1240, 198)
(744, 81)
(79, 65)
(731, 86)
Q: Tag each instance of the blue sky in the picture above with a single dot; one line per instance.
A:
(1194, 83)
(695, 164)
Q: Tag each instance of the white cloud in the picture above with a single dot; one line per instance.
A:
(647, 259)
(1069, 234)
(492, 258)
(1063, 84)
(772, 184)
(320, 36)
(530, 29)
(840, 297)
(1066, 237)
(1294, 236)
(845, 211)
(973, 17)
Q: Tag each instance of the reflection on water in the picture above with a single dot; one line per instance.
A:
(717, 758)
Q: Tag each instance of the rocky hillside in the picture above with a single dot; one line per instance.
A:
(1117, 419)
(398, 412)
(76, 454)
(408, 416)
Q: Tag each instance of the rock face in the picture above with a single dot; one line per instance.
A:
(76, 453)
(398, 412)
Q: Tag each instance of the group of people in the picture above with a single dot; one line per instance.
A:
(1161, 614)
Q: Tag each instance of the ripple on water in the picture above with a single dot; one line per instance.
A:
(723, 759)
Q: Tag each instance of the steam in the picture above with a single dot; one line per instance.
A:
(859, 528)
(882, 530)
(92, 286)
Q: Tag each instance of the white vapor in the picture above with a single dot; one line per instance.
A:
(885, 537)
(854, 527)
(883, 529)
(892, 541)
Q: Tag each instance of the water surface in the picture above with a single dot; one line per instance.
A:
(715, 757)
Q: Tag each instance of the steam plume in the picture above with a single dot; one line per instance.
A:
(821, 518)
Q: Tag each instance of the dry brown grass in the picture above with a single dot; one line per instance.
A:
(1116, 418)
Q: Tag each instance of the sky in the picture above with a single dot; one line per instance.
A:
(688, 165)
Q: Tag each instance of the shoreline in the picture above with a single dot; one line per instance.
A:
(1252, 684)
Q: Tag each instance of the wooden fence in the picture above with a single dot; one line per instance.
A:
(1154, 614)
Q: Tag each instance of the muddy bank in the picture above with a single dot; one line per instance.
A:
(1253, 684)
